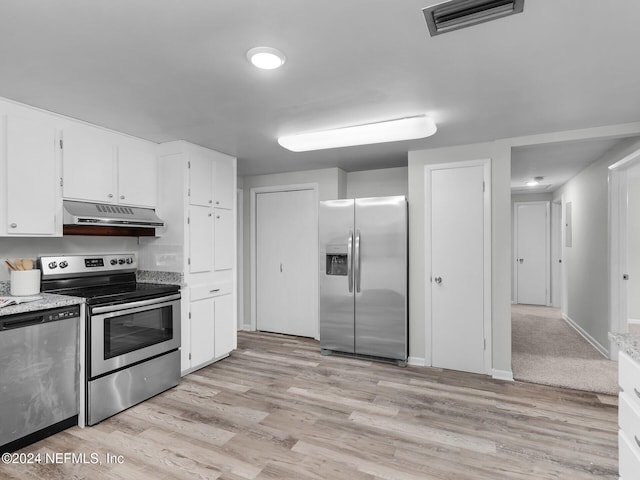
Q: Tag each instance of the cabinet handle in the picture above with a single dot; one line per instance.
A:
(214, 290)
(635, 437)
(110, 195)
(637, 392)
(13, 225)
(121, 197)
(210, 201)
(210, 214)
(217, 216)
(217, 202)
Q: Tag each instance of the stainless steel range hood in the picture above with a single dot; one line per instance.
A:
(108, 215)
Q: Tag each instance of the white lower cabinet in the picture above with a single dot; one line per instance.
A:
(202, 331)
(210, 326)
(629, 418)
(225, 327)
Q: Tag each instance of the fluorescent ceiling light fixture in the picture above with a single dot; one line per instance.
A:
(409, 128)
(267, 58)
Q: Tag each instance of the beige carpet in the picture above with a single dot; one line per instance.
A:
(547, 350)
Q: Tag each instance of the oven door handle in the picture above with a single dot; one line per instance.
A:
(139, 303)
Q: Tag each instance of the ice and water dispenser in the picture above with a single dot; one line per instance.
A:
(336, 260)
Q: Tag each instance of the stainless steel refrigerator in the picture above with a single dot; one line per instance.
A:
(363, 277)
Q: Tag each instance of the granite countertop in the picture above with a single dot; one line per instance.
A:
(48, 300)
(170, 278)
(628, 343)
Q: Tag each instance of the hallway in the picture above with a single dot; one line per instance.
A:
(548, 351)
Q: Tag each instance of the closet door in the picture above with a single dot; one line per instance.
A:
(286, 258)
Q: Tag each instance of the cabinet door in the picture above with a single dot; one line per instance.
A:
(32, 178)
(202, 331)
(200, 239)
(224, 229)
(137, 173)
(88, 164)
(200, 179)
(223, 182)
(225, 330)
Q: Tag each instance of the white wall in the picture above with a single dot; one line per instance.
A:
(586, 262)
(35, 247)
(633, 242)
(500, 155)
(378, 183)
(331, 185)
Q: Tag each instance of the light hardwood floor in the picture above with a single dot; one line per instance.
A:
(277, 409)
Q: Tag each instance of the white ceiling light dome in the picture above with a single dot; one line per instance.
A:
(266, 58)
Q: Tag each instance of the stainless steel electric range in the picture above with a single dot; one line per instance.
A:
(132, 329)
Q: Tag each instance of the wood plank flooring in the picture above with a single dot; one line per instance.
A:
(277, 409)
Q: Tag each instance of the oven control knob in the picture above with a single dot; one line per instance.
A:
(121, 261)
(114, 261)
(63, 264)
(129, 260)
(53, 265)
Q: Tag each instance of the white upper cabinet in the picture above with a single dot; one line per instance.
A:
(102, 166)
(137, 173)
(33, 204)
(224, 238)
(200, 178)
(224, 174)
(200, 239)
(88, 164)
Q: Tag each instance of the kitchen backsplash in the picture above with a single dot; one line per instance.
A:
(25, 247)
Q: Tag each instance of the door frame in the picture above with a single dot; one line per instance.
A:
(428, 169)
(547, 249)
(253, 248)
(557, 255)
(618, 246)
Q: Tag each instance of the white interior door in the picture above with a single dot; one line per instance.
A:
(458, 268)
(286, 258)
(532, 252)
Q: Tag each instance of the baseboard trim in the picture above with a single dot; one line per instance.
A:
(604, 351)
(506, 375)
(417, 362)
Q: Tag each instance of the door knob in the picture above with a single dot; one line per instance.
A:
(438, 280)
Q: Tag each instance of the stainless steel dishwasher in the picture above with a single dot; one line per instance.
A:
(39, 374)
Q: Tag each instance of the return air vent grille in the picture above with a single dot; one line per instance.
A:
(455, 14)
(114, 209)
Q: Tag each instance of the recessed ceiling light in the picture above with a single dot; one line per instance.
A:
(408, 128)
(534, 182)
(266, 58)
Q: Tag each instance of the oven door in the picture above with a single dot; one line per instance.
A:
(124, 334)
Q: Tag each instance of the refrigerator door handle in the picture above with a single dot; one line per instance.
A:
(350, 261)
(356, 261)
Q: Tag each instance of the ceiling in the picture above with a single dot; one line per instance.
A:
(167, 69)
(555, 162)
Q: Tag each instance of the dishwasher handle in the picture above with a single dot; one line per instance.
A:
(22, 322)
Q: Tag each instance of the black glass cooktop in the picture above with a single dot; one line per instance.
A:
(109, 289)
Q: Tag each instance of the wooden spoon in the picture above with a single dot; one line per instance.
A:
(10, 265)
(27, 264)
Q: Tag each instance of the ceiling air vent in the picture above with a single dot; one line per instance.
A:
(454, 14)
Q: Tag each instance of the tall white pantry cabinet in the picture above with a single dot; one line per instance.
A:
(197, 201)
